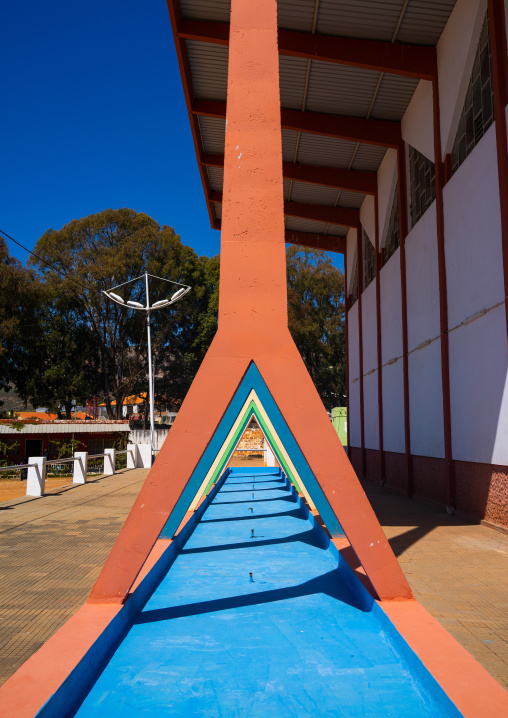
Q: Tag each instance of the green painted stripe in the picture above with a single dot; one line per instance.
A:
(251, 409)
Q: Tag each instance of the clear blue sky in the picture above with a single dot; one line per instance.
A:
(93, 117)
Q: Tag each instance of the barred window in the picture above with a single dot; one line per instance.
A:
(478, 111)
(369, 260)
(393, 236)
(354, 288)
(422, 184)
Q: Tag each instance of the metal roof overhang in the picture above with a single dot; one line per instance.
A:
(348, 70)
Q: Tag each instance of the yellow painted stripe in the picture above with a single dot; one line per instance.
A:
(279, 448)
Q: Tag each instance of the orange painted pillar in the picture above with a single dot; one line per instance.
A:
(252, 327)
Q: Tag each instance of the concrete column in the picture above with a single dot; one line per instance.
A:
(80, 467)
(145, 456)
(36, 476)
(109, 461)
(132, 456)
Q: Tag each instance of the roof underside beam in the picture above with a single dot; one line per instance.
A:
(383, 133)
(316, 241)
(327, 243)
(416, 61)
(343, 216)
(350, 180)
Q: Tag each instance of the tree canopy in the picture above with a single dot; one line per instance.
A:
(88, 345)
(316, 320)
(63, 340)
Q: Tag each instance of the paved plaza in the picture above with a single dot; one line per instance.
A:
(52, 549)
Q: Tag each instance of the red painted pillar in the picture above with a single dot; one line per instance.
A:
(443, 304)
(252, 328)
(497, 30)
(359, 255)
(381, 453)
(403, 231)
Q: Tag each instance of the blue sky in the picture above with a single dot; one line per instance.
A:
(94, 117)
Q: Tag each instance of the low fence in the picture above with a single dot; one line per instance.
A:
(137, 456)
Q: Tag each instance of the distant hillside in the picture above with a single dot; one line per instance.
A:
(10, 401)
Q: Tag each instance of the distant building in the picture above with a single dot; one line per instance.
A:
(43, 438)
(134, 406)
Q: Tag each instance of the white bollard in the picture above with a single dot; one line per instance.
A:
(269, 457)
(80, 467)
(145, 456)
(109, 461)
(36, 476)
(132, 456)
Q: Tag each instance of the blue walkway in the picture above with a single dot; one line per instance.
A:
(291, 642)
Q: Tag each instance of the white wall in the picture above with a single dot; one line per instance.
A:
(354, 384)
(391, 309)
(426, 401)
(422, 280)
(479, 398)
(393, 408)
(391, 348)
(456, 51)
(417, 124)
(371, 411)
(423, 325)
(369, 336)
(367, 218)
(478, 349)
(386, 181)
(474, 267)
(474, 260)
(369, 327)
(351, 257)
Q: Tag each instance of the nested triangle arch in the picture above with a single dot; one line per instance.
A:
(252, 398)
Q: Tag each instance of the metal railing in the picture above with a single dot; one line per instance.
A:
(136, 456)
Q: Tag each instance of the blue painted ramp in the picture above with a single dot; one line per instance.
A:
(294, 641)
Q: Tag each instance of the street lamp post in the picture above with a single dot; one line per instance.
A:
(131, 304)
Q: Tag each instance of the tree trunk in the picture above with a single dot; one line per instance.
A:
(68, 409)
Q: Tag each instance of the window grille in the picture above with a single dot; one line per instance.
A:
(369, 260)
(393, 236)
(422, 184)
(354, 288)
(478, 111)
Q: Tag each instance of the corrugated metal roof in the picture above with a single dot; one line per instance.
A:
(325, 151)
(292, 73)
(295, 14)
(368, 19)
(218, 10)
(337, 230)
(213, 135)
(368, 158)
(353, 200)
(70, 427)
(313, 194)
(216, 177)
(340, 90)
(218, 209)
(209, 68)
(422, 24)
(332, 88)
(305, 225)
(394, 95)
(424, 21)
(289, 139)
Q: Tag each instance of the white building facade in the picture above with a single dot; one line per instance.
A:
(427, 314)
